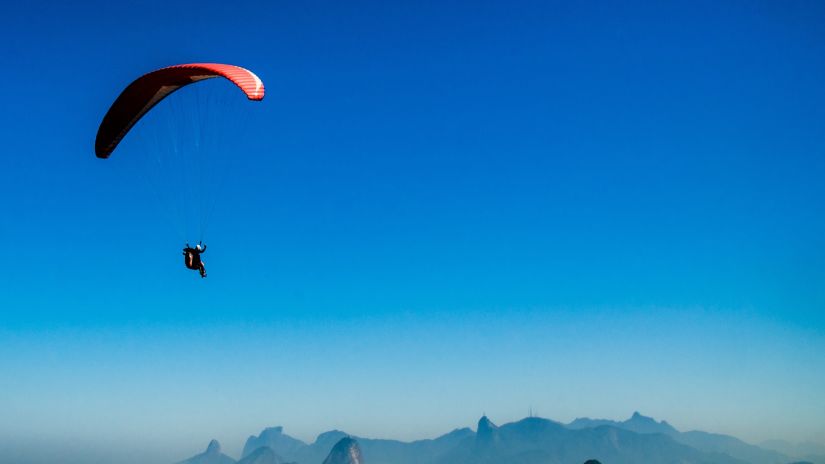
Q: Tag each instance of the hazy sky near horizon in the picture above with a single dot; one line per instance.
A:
(444, 209)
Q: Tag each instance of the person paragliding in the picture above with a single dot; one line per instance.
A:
(192, 258)
(147, 91)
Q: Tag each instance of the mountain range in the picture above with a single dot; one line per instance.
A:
(807, 451)
(532, 440)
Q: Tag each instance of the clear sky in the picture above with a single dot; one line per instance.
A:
(442, 209)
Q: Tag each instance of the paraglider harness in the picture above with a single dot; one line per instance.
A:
(192, 258)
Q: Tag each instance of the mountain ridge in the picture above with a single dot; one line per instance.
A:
(531, 440)
(703, 441)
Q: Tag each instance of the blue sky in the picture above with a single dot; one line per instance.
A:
(441, 209)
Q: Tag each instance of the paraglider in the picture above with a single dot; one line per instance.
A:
(145, 93)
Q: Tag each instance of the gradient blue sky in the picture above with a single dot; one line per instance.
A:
(445, 208)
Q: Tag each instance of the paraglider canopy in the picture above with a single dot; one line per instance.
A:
(186, 142)
(148, 90)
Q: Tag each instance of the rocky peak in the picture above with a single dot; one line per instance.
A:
(330, 438)
(212, 455)
(275, 438)
(487, 431)
(214, 447)
(643, 424)
(485, 425)
(346, 451)
(272, 431)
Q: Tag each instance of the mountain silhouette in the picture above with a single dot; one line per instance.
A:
(388, 451)
(808, 450)
(539, 441)
(212, 455)
(346, 451)
(262, 455)
(274, 438)
(529, 441)
(486, 434)
(637, 423)
(703, 441)
(532, 440)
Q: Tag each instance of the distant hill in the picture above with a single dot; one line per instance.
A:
(637, 423)
(262, 455)
(809, 451)
(346, 451)
(275, 439)
(703, 441)
(212, 455)
(714, 442)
